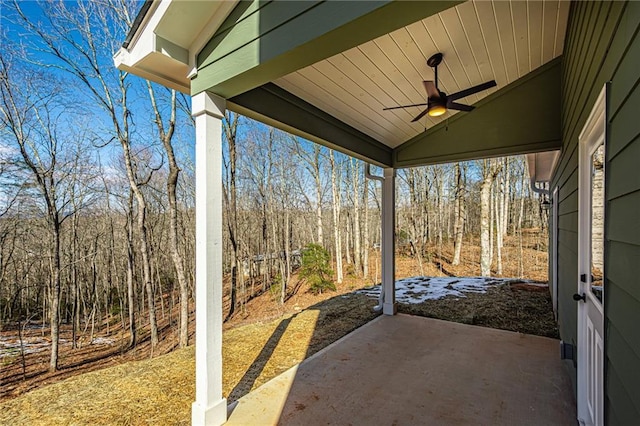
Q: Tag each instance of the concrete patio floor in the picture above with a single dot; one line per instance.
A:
(407, 370)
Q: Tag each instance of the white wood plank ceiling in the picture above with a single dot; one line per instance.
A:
(480, 40)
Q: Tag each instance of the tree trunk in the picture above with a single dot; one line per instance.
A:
(491, 225)
(365, 231)
(499, 209)
(316, 167)
(335, 190)
(416, 216)
(74, 282)
(458, 226)
(506, 196)
(131, 291)
(166, 136)
(439, 210)
(357, 251)
(55, 293)
(347, 238)
(485, 256)
(230, 127)
(146, 264)
(490, 170)
(319, 215)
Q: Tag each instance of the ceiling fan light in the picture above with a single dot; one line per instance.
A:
(436, 110)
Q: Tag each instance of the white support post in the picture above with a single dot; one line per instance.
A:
(209, 408)
(388, 241)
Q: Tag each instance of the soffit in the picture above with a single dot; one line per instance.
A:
(542, 164)
(480, 40)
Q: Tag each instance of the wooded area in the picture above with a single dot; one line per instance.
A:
(97, 191)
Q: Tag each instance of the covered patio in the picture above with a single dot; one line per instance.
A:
(406, 370)
(326, 71)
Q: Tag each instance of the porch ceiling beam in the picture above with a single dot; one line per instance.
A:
(261, 41)
(523, 117)
(276, 107)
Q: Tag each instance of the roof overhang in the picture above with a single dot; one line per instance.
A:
(541, 166)
(166, 38)
(325, 70)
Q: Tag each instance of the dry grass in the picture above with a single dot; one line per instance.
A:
(160, 390)
(155, 391)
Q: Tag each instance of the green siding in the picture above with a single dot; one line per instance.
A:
(624, 260)
(630, 381)
(620, 164)
(244, 27)
(601, 46)
(619, 407)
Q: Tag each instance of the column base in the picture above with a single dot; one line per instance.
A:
(213, 415)
(389, 308)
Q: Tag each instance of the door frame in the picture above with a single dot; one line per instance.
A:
(555, 201)
(593, 134)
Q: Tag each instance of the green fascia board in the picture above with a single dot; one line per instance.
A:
(276, 107)
(262, 41)
(523, 117)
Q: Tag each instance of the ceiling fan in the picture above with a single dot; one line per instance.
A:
(439, 102)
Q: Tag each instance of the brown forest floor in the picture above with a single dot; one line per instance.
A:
(516, 307)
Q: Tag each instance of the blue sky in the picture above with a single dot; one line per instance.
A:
(29, 52)
(85, 111)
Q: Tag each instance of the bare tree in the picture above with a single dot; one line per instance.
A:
(312, 162)
(438, 173)
(366, 242)
(335, 191)
(31, 115)
(459, 212)
(417, 183)
(166, 136)
(490, 169)
(75, 38)
(357, 249)
(230, 128)
(131, 290)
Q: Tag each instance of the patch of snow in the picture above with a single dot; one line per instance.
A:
(11, 346)
(102, 341)
(416, 290)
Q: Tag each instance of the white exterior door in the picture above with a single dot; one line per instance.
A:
(591, 291)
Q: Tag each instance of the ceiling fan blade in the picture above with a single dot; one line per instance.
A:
(403, 106)
(459, 107)
(422, 114)
(431, 89)
(472, 90)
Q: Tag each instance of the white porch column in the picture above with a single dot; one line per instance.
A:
(209, 408)
(388, 241)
